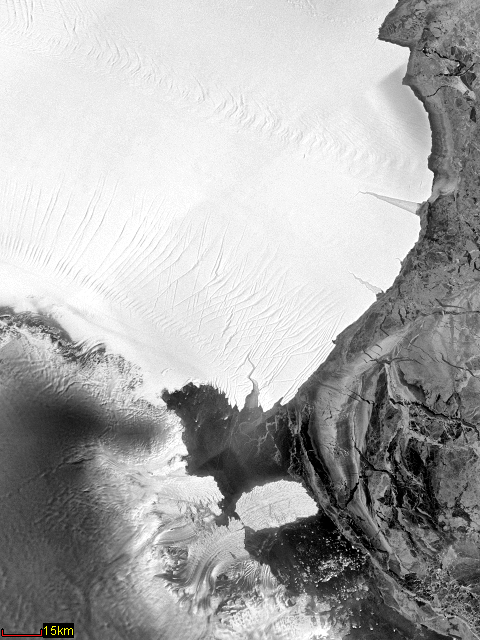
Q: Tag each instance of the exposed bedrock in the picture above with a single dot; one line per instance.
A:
(389, 424)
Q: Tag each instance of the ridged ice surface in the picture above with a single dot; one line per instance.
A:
(182, 181)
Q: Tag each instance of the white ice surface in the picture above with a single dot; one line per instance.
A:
(181, 179)
(275, 504)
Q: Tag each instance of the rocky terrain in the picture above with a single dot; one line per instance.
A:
(389, 424)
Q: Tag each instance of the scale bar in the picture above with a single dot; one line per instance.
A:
(22, 635)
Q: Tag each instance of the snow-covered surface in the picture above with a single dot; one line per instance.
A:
(275, 504)
(181, 180)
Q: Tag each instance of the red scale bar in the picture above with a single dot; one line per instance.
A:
(22, 635)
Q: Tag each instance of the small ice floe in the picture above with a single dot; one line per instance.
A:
(275, 504)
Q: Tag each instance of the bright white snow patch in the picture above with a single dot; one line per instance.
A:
(179, 179)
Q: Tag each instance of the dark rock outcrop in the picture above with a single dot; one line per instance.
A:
(393, 414)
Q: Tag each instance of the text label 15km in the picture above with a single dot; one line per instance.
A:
(56, 630)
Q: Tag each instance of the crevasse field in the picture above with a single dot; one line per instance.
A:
(185, 183)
